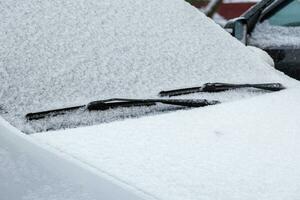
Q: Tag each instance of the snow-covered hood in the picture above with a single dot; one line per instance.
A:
(33, 171)
(67, 52)
(248, 149)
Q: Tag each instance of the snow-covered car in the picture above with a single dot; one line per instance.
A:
(96, 102)
(274, 26)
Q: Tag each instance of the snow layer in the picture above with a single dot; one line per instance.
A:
(263, 55)
(58, 53)
(29, 171)
(219, 19)
(83, 117)
(238, 150)
(267, 36)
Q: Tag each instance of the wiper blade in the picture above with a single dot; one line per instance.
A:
(220, 87)
(2, 110)
(51, 113)
(119, 102)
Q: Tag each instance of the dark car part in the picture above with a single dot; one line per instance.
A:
(286, 57)
(2, 110)
(238, 28)
(220, 87)
(119, 102)
(274, 8)
(286, 60)
(250, 17)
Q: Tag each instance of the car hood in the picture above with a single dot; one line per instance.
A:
(246, 149)
(29, 170)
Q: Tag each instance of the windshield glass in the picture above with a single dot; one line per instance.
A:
(280, 29)
(289, 15)
(57, 54)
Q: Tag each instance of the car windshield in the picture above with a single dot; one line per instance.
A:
(280, 27)
(62, 54)
(288, 15)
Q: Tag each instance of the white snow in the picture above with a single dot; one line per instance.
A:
(57, 53)
(247, 150)
(29, 171)
(62, 53)
(268, 36)
(85, 118)
(265, 57)
(219, 19)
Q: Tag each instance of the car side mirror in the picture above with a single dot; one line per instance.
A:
(238, 29)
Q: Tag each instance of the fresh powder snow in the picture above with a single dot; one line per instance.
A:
(266, 35)
(30, 171)
(61, 53)
(58, 53)
(248, 149)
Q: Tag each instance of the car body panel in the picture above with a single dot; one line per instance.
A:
(286, 57)
(29, 170)
(245, 149)
(209, 153)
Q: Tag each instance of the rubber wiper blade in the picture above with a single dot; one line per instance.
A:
(107, 104)
(117, 102)
(2, 110)
(220, 87)
(51, 113)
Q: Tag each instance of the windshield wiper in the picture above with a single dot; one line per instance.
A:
(119, 102)
(2, 110)
(220, 87)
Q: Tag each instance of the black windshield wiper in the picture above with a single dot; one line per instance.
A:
(220, 87)
(2, 110)
(118, 102)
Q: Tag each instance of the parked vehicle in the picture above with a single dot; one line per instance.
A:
(274, 26)
(133, 100)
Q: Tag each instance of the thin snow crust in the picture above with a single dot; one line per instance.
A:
(247, 150)
(22, 179)
(266, 35)
(58, 53)
(30, 171)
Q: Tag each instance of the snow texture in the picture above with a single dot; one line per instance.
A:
(247, 150)
(83, 117)
(59, 53)
(263, 55)
(268, 36)
(219, 19)
(29, 171)
(21, 179)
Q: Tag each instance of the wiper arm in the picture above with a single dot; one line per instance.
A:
(220, 87)
(119, 102)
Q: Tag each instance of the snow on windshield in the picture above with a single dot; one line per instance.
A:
(61, 53)
(266, 35)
